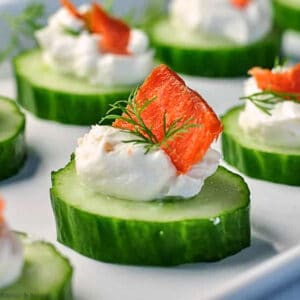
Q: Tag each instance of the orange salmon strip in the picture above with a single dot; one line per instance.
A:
(286, 82)
(115, 33)
(240, 3)
(71, 8)
(173, 98)
(2, 206)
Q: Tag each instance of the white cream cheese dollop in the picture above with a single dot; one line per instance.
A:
(281, 128)
(80, 55)
(11, 257)
(222, 18)
(109, 166)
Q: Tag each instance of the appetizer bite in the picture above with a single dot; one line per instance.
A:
(262, 138)
(287, 16)
(31, 269)
(12, 138)
(86, 60)
(149, 190)
(216, 38)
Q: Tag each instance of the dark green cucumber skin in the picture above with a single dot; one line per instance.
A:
(275, 167)
(286, 17)
(59, 106)
(64, 292)
(135, 242)
(13, 151)
(219, 62)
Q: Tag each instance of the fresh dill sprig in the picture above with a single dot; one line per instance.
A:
(175, 129)
(279, 62)
(22, 27)
(266, 100)
(131, 113)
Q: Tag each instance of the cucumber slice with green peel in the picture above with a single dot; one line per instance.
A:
(207, 227)
(46, 275)
(287, 14)
(265, 162)
(63, 98)
(12, 138)
(200, 54)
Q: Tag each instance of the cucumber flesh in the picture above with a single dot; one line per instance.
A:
(292, 3)
(276, 164)
(58, 97)
(11, 119)
(46, 275)
(12, 139)
(287, 14)
(207, 227)
(201, 54)
(168, 33)
(31, 65)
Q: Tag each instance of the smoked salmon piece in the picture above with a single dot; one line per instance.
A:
(114, 32)
(240, 3)
(2, 206)
(286, 82)
(174, 100)
(71, 8)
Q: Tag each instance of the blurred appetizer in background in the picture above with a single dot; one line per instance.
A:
(11, 253)
(287, 16)
(31, 269)
(12, 138)
(217, 38)
(149, 190)
(262, 138)
(87, 59)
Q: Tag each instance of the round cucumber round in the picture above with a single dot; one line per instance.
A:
(207, 227)
(46, 274)
(12, 138)
(63, 98)
(201, 54)
(287, 14)
(256, 160)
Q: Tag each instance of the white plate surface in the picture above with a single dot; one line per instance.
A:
(271, 261)
(261, 271)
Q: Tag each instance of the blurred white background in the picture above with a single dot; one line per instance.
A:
(152, 283)
(14, 7)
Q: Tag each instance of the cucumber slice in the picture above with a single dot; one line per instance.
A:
(207, 227)
(46, 275)
(12, 138)
(63, 98)
(256, 160)
(287, 14)
(201, 54)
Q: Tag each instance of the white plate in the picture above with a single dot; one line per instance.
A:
(272, 259)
